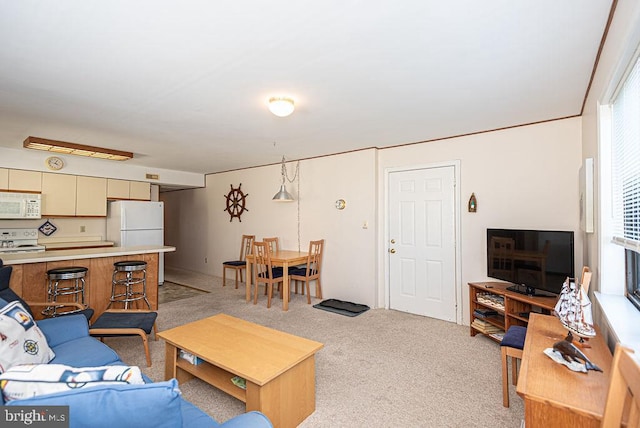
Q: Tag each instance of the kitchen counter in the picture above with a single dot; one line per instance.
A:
(82, 253)
(29, 276)
(72, 245)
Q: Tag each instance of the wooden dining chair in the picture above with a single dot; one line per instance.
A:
(310, 271)
(623, 397)
(263, 271)
(241, 264)
(273, 243)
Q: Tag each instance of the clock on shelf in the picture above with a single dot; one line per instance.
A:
(54, 163)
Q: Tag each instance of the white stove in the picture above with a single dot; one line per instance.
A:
(19, 241)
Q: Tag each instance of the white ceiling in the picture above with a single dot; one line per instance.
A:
(183, 84)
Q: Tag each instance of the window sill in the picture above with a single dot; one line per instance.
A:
(622, 317)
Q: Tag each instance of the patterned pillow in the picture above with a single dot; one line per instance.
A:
(21, 341)
(31, 380)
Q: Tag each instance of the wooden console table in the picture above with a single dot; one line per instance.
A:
(555, 396)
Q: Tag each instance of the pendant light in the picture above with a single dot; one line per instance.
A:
(283, 195)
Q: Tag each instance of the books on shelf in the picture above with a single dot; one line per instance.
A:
(484, 312)
(492, 300)
(189, 357)
(239, 382)
(485, 327)
(497, 336)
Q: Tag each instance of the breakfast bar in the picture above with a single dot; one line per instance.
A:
(29, 277)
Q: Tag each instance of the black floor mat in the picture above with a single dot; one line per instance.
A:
(341, 307)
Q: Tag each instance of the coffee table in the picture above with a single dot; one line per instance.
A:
(279, 368)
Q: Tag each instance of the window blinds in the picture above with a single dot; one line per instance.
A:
(626, 161)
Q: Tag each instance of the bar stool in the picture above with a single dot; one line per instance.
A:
(66, 281)
(129, 274)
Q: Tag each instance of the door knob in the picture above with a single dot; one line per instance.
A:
(393, 241)
(392, 251)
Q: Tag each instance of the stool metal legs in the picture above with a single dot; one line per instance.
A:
(122, 287)
(57, 287)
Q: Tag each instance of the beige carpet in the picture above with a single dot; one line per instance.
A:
(379, 369)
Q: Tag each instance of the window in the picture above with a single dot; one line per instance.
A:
(625, 176)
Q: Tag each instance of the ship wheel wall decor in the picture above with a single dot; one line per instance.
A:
(236, 202)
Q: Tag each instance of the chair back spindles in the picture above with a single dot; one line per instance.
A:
(311, 271)
(263, 271)
(273, 243)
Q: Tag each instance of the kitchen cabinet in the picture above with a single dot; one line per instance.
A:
(58, 195)
(139, 190)
(124, 189)
(4, 179)
(91, 196)
(117, 189)
(21, 180)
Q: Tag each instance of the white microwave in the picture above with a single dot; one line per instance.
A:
(19, 205)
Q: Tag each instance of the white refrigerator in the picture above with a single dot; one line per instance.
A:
(131, 223)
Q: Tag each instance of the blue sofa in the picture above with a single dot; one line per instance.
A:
(154, 404)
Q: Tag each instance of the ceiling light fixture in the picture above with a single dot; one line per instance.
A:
(281, 106)
(283, 195)
(75, 149)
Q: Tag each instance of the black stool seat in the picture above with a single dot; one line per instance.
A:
(67, 273)
(128, 266)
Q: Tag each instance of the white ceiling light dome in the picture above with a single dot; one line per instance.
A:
(281, 106)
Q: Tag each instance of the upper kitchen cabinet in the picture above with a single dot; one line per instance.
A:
(4, 179)
(140, 190)
(58, 195)
(117, 189)
(25, 181)
(124, 189)
(91, 196)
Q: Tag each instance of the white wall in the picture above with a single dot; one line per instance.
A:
(525, 177)
(622, 40)
(200, 228)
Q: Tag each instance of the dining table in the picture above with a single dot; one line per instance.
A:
(284, 258)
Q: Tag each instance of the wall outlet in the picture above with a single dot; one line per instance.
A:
(206, 260)
(365, 224)
(83, 228)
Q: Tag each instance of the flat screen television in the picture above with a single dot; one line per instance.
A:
(536, 261)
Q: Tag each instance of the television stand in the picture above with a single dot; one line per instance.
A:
(494, 308)
(529, 291)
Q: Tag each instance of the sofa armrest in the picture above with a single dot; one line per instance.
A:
(63, 329)
(248, 420)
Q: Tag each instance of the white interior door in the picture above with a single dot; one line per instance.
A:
(422, 265)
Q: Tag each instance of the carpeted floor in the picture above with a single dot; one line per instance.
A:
(380, 369)
(170, 292)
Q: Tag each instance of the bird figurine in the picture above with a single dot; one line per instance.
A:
(571, 353)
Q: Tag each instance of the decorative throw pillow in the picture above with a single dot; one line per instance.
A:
(21, 341)
(31, 380)
(156, 405)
